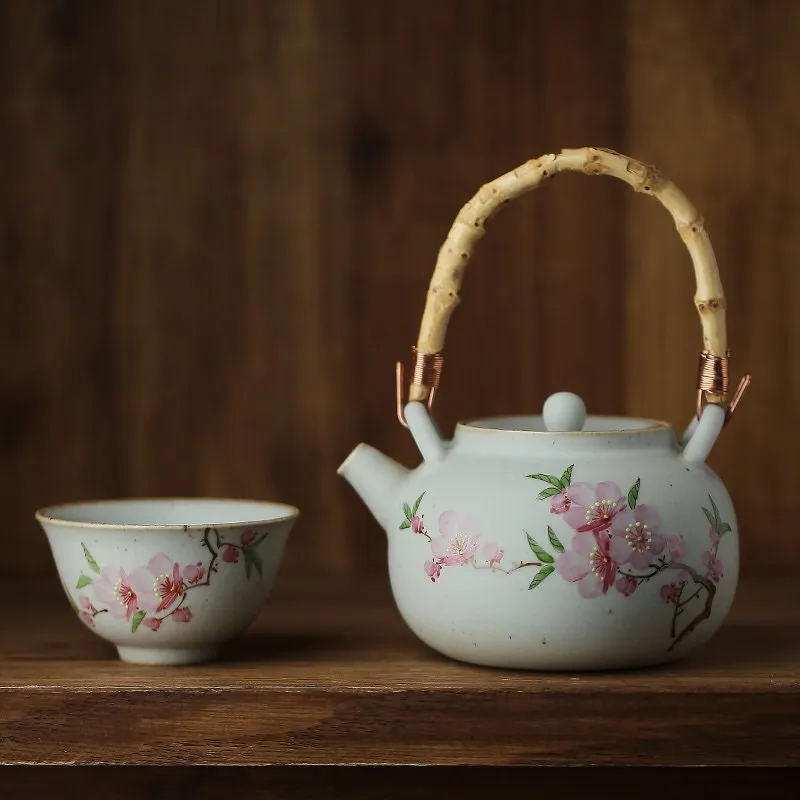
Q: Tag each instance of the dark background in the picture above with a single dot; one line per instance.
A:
(218, 220)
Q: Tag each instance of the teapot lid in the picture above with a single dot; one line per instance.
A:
(564, 411)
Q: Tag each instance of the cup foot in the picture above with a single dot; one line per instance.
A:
(167, 656)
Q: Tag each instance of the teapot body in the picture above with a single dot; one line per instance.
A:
(599, 549)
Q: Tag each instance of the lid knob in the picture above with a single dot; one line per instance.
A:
(564, 411)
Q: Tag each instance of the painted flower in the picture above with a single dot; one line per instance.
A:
(230, 555)
(433, 570)
(87, 618)
(560, 503)
(194, 573)
(592, 562)
(125, 593)
(713, 535)
(492, 553)
(417, 524)
(676, 545)
(593, 508)
(457, 540)
(86, 604)
(626, 585)
(639, 530)
(183, 614)
(247, 536)
(154, 623)
(671, 592)
(168, 585)
(712, 564)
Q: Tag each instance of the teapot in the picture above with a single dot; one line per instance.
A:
(561, 541)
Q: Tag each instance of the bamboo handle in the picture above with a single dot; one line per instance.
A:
(468, 229)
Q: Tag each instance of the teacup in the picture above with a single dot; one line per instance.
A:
(167, 581)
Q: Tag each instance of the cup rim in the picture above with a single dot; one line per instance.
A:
(50, 514)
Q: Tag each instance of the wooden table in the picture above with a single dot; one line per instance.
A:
(338, 679)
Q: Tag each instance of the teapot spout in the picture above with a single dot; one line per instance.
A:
(375, 478)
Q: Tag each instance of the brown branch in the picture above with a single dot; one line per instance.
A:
(497, 568)
(705, 612)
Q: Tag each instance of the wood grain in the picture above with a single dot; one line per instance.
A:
(722, 74)
(218, 222)
(346, 683)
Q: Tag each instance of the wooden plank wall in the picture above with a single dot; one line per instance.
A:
(218, 219)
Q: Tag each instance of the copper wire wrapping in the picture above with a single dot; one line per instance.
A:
(712, 373)
(427, 372)
(712, 378)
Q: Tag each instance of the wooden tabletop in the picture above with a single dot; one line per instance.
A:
(337, 678)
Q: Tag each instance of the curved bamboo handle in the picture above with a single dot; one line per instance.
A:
(468, 229)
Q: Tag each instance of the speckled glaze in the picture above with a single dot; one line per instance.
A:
(167, 581)
(557, 542)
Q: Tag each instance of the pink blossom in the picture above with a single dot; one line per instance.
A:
(592, 562)
(713, 535)
(638, 529)
(248, 536)
(457, 540)
(626, 585)
(671, 592)
(86, 603)
(125, 593)
(676, 545)
(169, 586)
(154, 623)
(492, 553)
(183, 614)
(593, 508)
(433, 570)
(417, 524)
(560, 503)
(87, 618)
(230, 555)
(153, 588)
(713, 565)
(194, 573)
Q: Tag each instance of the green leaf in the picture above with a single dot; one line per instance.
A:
(566, 478)
(405, 524)
(83, 580)
(252, 558)
(137, 620)
(407, 511)
(416, 505)
(724, 528)
(716, 512)
(551, 479)
(90, 560)
(548, 492)
(633, 494)
(554, 540)
(540, 553)
(541, 575)
(710, 517)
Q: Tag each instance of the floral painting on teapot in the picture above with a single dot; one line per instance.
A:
(616, 544)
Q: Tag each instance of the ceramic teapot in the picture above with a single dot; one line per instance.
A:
(560, 541)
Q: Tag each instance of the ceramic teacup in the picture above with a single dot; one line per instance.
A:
(167, 580)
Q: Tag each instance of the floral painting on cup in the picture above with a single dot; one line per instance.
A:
(158, 592)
